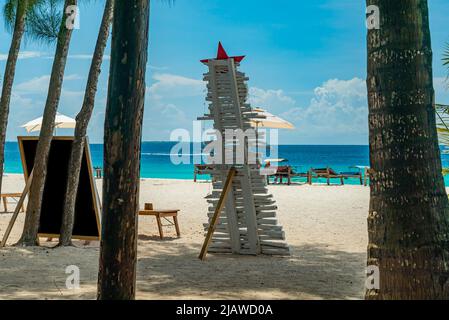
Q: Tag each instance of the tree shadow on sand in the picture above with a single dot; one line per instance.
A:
(172, 270)
(311, 272)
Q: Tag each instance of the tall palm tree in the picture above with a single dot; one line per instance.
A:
(82, 121)
(408, 223)
(31, 226)
(122, 145)
(15, 13)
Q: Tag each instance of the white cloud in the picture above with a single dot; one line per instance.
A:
(170, 85)
(24, 55)
(157, 68)
(338, 108)
(40, 84)
(35, 85)
(267, 98)
(86, 56)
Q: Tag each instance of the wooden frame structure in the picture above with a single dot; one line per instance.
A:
(95, 198)
(241, 213)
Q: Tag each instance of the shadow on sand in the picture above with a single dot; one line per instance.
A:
(173, 271)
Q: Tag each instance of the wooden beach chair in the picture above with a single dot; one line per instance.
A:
(201, 169)
(14, 196)
(162, 214)
(326, 173)
(355, 175)
(287, 172)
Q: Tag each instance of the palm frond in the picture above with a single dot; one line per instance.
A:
(9, 14)
(44, 20)
(446, 56)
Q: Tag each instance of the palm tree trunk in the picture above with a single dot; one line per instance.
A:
(82, 121)
(122, 143)
(8, 79)
(31, 227)
(408, 223)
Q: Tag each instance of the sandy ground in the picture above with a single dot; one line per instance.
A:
(325, 228)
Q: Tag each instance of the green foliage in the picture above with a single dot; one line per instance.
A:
(442, 112)
(446, 56)
(43, 17)
(44, 21)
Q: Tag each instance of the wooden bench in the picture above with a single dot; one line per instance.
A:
(161, 214)
(14, 196)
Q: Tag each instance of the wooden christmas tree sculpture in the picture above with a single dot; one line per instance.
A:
(242, 215)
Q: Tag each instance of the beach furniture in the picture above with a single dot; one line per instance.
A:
(366, 176)
(355, 175)
(326, 173)
(288, 173)
(162, 214)
(98, 172)
(61, 122)
(201, 169)
(14, 196)
(363, 174)
(329, 173)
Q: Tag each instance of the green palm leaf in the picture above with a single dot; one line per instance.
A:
(446, 56)
(442, 112)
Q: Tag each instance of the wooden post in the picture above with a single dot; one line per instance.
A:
(220, 205)
(16, 212)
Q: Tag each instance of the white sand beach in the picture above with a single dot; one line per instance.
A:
(325, 227)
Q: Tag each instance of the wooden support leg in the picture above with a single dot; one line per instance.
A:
(159, 225)
(218, 208)
(5, 204)
(175, 220)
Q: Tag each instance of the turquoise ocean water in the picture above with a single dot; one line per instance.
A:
(156, 161)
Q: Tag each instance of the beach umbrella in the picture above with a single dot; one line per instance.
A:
(264, 119)
(61, 122)
(275, 160)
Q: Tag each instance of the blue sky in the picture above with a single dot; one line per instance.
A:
(306, 61)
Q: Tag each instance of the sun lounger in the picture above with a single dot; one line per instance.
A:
(329, 173)
(326, 173)
(356, 175)
(98, 172)
(162, 214)
(201, 169)
(288, 173)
